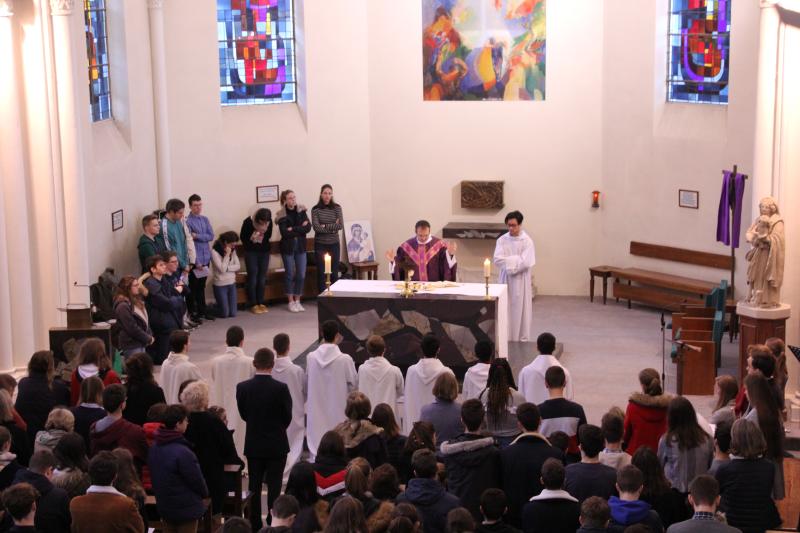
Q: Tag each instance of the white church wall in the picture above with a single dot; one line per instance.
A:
(121, 173)
(652, 148)
(223, 153)
(548, 153)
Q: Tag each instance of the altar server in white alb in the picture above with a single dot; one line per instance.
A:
(420, 379)
(294, 377)
(478, 374)
(227, 371)
(378, 379)
(515, 255)
(331, 377)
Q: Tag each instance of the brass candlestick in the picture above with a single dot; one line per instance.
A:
(487, 297)
(328, 284)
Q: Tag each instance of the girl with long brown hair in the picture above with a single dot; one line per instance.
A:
(132, 320)
(685, 450)
(501, 399)
(725, 392)
(92, 361)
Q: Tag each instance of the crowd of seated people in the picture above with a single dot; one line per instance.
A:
(88, 455)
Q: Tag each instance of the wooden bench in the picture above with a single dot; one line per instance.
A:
(275, 289)
(659, 289)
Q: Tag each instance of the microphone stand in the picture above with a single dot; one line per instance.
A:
(663, 350)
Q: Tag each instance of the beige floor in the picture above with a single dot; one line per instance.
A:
(604, 346)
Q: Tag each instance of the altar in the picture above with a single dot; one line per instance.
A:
(458, 315)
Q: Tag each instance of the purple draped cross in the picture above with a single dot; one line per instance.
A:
(726, 201)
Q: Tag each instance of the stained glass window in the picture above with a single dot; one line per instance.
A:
(97, 49)
(699, 51)
(256, 51)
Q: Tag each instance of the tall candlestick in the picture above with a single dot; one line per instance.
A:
(487, 268)
(327, 263)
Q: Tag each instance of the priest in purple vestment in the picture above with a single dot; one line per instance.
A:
(430, 258)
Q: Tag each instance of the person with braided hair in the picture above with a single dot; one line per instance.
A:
(646, 415)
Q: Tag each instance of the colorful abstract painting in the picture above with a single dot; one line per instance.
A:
(94, 17)
(699, 57)
(484, 49)
(256, 51)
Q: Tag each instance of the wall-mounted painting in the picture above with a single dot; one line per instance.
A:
(484, 49)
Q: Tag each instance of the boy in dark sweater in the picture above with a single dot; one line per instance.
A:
(590, 477)
(560, 414)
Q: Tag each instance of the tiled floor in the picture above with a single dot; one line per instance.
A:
(604, 346)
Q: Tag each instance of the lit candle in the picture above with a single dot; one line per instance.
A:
(487, 268)
(327, 263)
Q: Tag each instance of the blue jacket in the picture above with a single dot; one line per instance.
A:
(432, 503)
(627, 513)
(203, 236)
(177, 479)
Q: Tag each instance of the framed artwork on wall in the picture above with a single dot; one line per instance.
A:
(476, 50)
(360, 248)
(117, 220)
(267, 193)
(688, 199)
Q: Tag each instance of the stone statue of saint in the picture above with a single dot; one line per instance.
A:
(765, 258)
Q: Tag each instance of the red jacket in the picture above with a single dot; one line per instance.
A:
(108, 376)
(645, 421)
(150, 429)
(120, 434)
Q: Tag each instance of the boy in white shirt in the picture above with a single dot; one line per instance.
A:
(420, 379)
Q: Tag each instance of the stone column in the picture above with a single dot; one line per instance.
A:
(159, 67)
(6, 73)
(764, 166)
(71, 107)
(14, 203)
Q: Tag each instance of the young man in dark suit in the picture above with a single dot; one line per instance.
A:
(266, 407)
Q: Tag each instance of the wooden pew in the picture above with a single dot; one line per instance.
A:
(662, 290)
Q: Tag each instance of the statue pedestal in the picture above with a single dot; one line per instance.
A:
(756, 325)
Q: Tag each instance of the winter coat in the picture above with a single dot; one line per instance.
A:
(294, 240)
(52, 507)
(431, 501)
(36, 398)
(99, 512)
(363, 439)
(394, 451)
(329, 473)
(120, 434)
(522, 469)
(645, 421)
(47, 439)
(214, 448)
(472, 463)
(73, 480)
(8, 469)
(745, 487)
(107, 375)
(177, 479)
(141, 397)
(627, 513)
(551, 511)
(134, 330)
(164, 305)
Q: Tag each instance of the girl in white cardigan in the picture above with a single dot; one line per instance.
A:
(225, 264)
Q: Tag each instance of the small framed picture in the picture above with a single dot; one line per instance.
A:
(267, 193)
(117, 220)
(689, 199)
